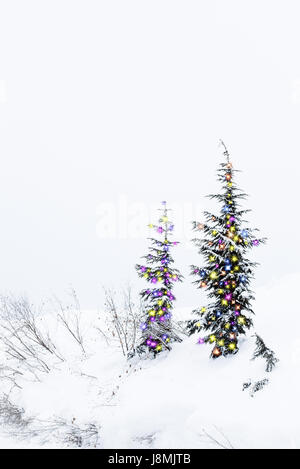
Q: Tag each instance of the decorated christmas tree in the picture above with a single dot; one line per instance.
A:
(157, 328)
(227, 272)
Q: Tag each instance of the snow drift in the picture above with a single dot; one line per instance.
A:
(182, 399)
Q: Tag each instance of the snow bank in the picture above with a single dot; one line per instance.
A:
(181, 399)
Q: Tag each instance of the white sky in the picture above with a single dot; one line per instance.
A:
(102, 100)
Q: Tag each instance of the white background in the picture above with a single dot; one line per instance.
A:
(107, 99)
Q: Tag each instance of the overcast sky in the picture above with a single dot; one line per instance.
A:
(110, 107)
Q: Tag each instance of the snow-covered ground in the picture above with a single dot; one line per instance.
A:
(182, 399)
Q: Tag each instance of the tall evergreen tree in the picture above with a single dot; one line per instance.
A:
(157, 328)
(227, 272)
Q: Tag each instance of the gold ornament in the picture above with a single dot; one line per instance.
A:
(241, 320)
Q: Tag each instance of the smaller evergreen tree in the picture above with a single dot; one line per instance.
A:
(157, 328)
(267, 354)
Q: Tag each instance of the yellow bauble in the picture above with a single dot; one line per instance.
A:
(221, 343)
(212, 338)
(159, 279)
(150, 225)
(214, 275)
(203, 309)
(146, 275)
(231, 346)
(224, 302)
(198, 324)
(214, 232)
(151, 312)
(227, 325)
(159, 348)
(164, 219)
(241, 320)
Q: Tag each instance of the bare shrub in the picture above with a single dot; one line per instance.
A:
(43, 431)
(10, 375)
(124, 320)
(23, 340)
(11, 415)
(81, 436)
(70, 317)
(220, 440)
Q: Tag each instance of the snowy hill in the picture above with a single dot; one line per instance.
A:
(182, 399)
